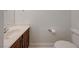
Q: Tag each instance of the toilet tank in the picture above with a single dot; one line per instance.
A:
(75, 37)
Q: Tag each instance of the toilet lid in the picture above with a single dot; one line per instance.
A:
(64, 44)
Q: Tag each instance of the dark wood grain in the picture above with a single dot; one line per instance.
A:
(23, 41)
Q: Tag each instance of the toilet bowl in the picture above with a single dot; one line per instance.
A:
(67, 44)
(64, 44)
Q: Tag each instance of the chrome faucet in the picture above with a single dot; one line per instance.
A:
(5, 29)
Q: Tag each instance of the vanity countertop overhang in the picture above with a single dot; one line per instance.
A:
(13, 34)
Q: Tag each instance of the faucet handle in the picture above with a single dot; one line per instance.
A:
(5, 29)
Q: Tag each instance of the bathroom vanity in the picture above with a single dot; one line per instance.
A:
(17, 37)
(23, 41)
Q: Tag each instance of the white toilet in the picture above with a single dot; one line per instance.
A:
(64, 44)
(67, 44)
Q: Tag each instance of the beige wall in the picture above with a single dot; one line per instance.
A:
(1, 29)
(75, 19)
(41, 21)
(75, 25)
(9, 17)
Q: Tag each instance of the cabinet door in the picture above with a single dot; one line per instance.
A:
(17, 44)
(26, 39)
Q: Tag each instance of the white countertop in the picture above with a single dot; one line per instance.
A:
(13, 34)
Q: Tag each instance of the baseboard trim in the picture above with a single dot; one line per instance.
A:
(41, 45)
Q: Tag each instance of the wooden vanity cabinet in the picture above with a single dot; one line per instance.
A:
(17, 44)
(23, 41)
(26, 39)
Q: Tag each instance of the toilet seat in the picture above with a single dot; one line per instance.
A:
(64, 44)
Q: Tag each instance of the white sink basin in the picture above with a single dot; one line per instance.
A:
(15, 32)
(11, 33)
